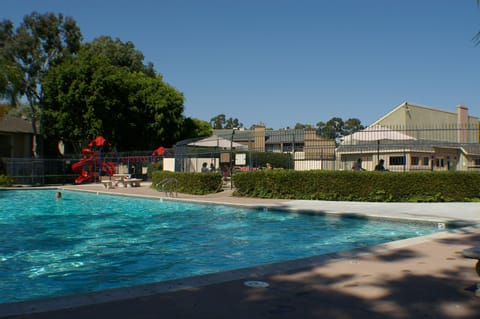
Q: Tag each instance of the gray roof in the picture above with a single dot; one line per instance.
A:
(11, 124)
(418, 145)
(271, 136)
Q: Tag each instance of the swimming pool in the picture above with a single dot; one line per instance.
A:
(86, 242)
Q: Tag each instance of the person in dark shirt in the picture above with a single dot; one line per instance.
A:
(380, 166)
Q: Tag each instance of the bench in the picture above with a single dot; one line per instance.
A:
(474, 253)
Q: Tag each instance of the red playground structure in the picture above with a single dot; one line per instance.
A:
(91, 165)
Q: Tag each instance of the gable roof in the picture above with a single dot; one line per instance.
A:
(406, 104)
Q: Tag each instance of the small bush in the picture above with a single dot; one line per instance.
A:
(6, 181)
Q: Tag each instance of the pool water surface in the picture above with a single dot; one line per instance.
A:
(86, 242)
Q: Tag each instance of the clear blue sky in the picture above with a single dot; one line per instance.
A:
(283, 62)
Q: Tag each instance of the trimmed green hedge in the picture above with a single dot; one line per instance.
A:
(6, 181)
(189, 183)
(360, 186)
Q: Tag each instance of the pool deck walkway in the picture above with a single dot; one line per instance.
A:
(424, 277)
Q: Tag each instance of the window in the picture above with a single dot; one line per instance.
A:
(397, 160)
(415, 160)
(439, 162)
(425, 161)
(272, 148)
(477, 161)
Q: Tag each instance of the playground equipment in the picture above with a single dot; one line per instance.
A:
(92, 161)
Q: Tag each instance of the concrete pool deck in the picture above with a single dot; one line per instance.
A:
(424, 277)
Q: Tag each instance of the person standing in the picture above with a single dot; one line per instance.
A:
(357, 166)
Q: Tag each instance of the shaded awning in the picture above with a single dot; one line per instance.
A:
(377, 133)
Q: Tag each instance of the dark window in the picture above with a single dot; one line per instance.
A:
(439, 162)
(397, 160)
(425, 161)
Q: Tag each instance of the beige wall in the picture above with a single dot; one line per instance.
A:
(316, 147)
(259, 138)
(426, 123)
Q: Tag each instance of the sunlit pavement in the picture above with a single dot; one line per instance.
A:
(424, 277)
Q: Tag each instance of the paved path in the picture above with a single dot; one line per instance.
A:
(424, 277)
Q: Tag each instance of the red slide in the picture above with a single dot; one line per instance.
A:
(86, 167)
(85, 175)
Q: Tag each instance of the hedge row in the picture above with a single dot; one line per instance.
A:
(187, 183)
(360, 186)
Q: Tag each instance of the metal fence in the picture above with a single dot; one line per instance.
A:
(402, 149)
(27, 171)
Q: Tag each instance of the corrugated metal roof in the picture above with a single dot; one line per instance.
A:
(271, 136)
(285, 136)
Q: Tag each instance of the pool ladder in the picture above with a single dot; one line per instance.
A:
(170, 181)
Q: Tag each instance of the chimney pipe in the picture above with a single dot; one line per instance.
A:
(462, 124)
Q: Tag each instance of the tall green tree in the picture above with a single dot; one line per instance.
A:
(232, 123)
(107, 90)
(196, 128)
(300, 126)
(336, 127)
(26, 53)
(218, 121)
(332, 129)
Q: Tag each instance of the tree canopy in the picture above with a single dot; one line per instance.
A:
(336, 127)
(26, 54)
(221, 122)
(107, 90)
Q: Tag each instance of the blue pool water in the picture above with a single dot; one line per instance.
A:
(86, 242)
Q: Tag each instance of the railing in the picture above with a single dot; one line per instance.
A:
(170, 181)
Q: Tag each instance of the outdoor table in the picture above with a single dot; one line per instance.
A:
(120, 178)
(107, 183)
(132, 182)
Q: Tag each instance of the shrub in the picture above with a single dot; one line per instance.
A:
(188, 183)
(359, 186)
(6, 181)
(158, 166)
